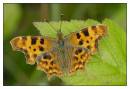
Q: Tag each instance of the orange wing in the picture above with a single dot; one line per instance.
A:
(48, 62)
(88, 37)
(32, 46)
(85, 43)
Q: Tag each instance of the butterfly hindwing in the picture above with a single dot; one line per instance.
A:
(79, 57)
(32, 46)
(47, 62)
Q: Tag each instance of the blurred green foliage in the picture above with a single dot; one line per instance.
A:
(18, 20)
(12, 15)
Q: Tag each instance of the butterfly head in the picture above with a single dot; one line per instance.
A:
(59, 33)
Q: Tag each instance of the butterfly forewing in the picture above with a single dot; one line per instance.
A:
(32, 46)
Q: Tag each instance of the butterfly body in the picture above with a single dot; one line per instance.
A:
(63, 55)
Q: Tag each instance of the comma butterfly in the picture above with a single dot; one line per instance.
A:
(63, 55)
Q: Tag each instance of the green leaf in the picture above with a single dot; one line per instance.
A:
(108, 65)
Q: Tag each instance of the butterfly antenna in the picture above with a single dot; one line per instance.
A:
(50, 25)
(61, 17)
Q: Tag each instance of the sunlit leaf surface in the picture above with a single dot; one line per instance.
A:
(108, 65)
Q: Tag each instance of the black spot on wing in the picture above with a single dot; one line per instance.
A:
(81, 56)
(29, 47)
(78, 35)
(91, 38)
(33, 40)
(34, 49)
(41, 48)
(42, 41)
(52, 62)
(76, 58)
(79, 50)
(46, 56)
(39, 59)
(87, 41)
(81, 42)
(85, 31)
(89, 47)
